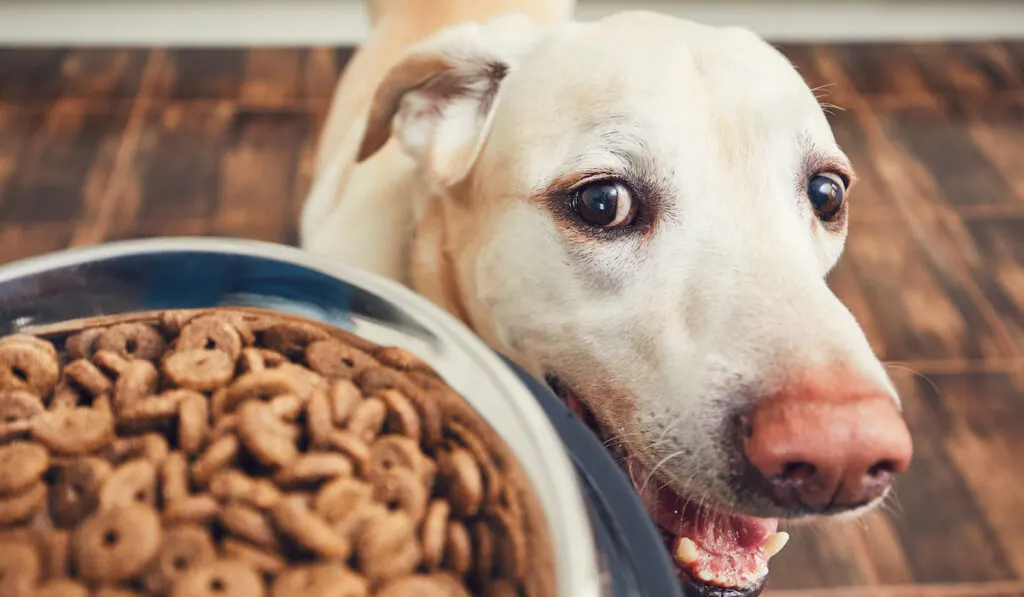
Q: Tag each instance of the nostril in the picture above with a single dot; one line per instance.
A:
(798, 471)
(882, 469)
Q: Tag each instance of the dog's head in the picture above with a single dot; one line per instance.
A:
(643, 211)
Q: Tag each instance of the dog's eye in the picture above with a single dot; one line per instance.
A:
(827, 192)
(607, 204)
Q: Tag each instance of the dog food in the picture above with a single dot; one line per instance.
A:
(243, 453)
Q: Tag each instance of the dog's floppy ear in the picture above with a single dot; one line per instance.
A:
(438, 99)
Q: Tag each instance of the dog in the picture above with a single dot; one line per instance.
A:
(641, 211)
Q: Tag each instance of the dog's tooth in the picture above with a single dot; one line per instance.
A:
(775, 542)
(762, 571)
(686, 551)
(706, 575)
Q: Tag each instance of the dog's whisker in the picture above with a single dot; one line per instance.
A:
(657, 466)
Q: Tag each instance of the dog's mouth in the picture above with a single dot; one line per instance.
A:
(716, 553)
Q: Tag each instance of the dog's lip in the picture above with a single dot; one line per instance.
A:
(727, 554)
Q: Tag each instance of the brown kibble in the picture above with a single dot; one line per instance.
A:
(458, 548)
(367, 419)
(291, 338)
(248, 524)
(21, 465)
(345, 396)
(433, 534)
(174, 477)
(114, 545)
(193, 420)
(318, 419)
(132, 482)
(66, 395)
(372, 381)
(337, 499)
(136, 381)
(235, 486)
(61, 587)
(313, 468)
(132, 341)
(334, 359)
(510, 551)
(352, 446)
(263, 561)
(26, 366)
(327, 579)
(55, 549)
(483, 542)
(211, 332)
(82, 344)
(220, 453)
(75, 490)
(149, 413)
(219, 578)
(402, 417)
(201, 370)
(149, 446)
(262, 385)
(111, 361)
(424, 585)
(265, 436)
(399, 452)
(172, 321)
(17, 507)
(88, 377)
(74, 430)
(288, 407)
(251, 360)
(388, 547)
(19, 569)
(401, 489)
(294, 519)
(17, 409)
(194, 509)
(184, 548)
(401, 359)
(462, 481)
(114, 592)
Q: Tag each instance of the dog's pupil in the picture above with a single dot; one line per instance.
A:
(598, 203)
(826, 196)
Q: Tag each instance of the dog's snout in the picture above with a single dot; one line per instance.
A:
(820, 451)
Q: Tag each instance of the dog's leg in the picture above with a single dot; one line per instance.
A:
(363, 214)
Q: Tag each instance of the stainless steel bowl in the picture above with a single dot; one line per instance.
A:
(604, 543)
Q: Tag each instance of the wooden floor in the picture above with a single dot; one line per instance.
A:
(101, 145)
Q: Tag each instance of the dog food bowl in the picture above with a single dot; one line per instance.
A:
(605, 544)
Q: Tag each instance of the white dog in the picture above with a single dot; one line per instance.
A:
(641, 211)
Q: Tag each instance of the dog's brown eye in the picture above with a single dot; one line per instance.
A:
(607, 204)
(827, 192)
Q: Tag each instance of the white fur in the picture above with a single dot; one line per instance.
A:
(665, 338)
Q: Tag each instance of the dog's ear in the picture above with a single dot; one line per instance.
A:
(438, 99)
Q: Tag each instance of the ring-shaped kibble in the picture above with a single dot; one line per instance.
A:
(132, 341)
(461, 480)
(424, 585)
(458, 548)
(21, 506)
(310, 531)
(73, 431)
(210, 332)
(481, 456)
(399, 358)
(132, 482)
(344, 397)
(153, 412)
(402, 489)
(327, 579)
(114, 545)
(367, 420)
(402, 417)
(24, 366)
(219, 578)
(372, 381)
(30, 340)
(61, 587)
(483, 548)
(216, 457)
(266, 562)
(83, 344)
(21, 464)
(193, 419)
(198, 369)
(247, 523)
(336, 360)
(352, 446)
(54, 552)
(265, 436)
(310, 469)
(261, 385)
(510, 552)
(75, 489)
(184, 548)
(399, 452)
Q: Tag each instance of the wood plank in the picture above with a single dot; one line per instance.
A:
(998, 132)
(272, 78)
(30, 75)
(966, 68)
(19, 241)
(205, 73)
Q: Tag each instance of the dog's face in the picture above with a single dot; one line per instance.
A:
(644, 212)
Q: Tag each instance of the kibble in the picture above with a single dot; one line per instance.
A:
(229, 452)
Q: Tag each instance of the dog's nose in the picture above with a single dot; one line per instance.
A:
(827, 450)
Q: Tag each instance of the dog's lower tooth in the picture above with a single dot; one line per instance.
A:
(686, 552)
(706, 575)
(775, 542)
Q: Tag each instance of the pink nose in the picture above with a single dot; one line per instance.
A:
(825, 449)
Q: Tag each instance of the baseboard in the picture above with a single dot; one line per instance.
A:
(340, 22)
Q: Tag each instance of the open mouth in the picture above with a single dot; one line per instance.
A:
(716, 553)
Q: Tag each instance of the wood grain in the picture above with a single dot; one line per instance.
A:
(103, 144)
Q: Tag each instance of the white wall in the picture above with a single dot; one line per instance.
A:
(329, 22)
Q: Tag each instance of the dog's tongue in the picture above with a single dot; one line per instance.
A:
(714, 547)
